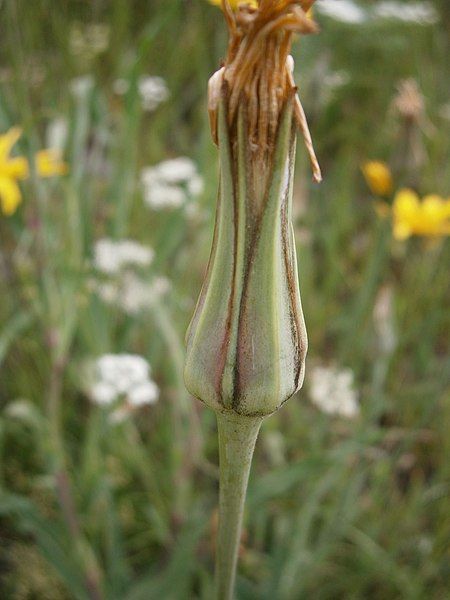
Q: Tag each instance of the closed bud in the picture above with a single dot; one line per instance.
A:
(247, 342)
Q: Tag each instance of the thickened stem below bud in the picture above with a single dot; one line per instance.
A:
(237, 438)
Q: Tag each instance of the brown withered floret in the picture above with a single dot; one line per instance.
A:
(258, 69)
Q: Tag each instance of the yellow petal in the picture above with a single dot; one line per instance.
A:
(435, 207)
(378, 177)
(435, 216)
(10, 195)
(402, 231)
(49, 163)
(7, 141)
(431, 217)
(406, 204)
(15, 168)
(405, 213)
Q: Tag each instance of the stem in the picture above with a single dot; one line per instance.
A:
(237, 438)
(63, 483)
(363, 302)
(185, 422)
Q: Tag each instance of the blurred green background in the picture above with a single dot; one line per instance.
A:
(111, 494)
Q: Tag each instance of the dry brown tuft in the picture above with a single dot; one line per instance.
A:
(257, 70)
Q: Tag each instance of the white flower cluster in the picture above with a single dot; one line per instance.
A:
(171, 183)
(122, 381)
(421, 13)
(112, 256)
(131, 294)
(332, 391)
(152, 90)
(81, 87)
(122, 287)
(345, 11)
(57, 133)
(348, 11)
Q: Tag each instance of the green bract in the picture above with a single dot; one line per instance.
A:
(247, 342)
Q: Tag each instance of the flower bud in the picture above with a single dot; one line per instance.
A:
(247, 342)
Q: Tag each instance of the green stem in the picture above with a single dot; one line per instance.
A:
(63, 483)
(185, 422)
(353, 342)
(237, 438)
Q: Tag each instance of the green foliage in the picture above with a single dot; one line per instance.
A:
(336, 508)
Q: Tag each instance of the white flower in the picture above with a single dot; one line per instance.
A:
(153, 91)
(345, 11)
(125, 288)
(122, 371)
(22, 409)
(160, 195)
(125, 378)
(176, 170)
(56, 134)
(103, 393)
(106, 257)
(112, 256)
(132, 253)
(130, 293)
(422, 13)
(332, 391)
(81, 86)
(144, 393)
(195, 185)
(149, 176)
(137, 295)
(170, 183)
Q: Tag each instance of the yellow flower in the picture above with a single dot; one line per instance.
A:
(11, 170)
(431, 217)
(49, 163)
(378, 177)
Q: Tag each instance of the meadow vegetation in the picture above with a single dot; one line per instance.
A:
(108, 468)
